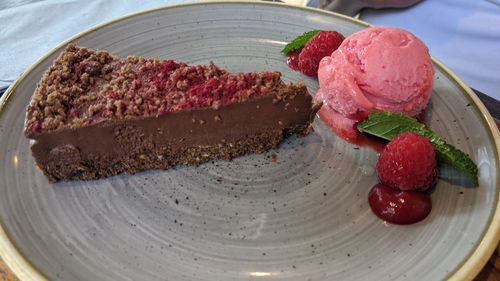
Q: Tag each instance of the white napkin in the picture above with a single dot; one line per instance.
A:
(27, 32)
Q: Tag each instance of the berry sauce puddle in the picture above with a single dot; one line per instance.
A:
(389, 204)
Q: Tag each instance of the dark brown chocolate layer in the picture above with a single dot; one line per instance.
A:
(187, 137)
(95, 115)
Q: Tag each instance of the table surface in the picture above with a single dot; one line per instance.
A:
(491, 271)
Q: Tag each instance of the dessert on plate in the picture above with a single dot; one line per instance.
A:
(384, 69)
(374, 82)
(95, 115)
(375, 69)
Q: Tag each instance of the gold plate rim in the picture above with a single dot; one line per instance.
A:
(466, 270)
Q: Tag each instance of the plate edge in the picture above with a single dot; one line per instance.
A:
(466, 270)
(478, 257)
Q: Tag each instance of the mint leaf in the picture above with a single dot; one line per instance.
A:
(387, 125)
(299, 42)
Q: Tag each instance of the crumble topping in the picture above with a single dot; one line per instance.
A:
(85, 87)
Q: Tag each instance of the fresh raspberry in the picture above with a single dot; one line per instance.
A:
(293, 59)
(319, 46)
(408, 162)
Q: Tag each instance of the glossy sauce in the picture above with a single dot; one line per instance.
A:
(392, 205)
(399, 207)
(345, 128)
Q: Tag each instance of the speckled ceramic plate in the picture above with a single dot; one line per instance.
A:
(302, 217)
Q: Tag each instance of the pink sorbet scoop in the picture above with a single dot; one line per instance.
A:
(376, 69)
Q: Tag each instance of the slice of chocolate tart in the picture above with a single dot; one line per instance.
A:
(95, 115)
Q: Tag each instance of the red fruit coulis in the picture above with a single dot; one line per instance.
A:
(389, 204)
(399, 207)
(292, 59)
(345, 128)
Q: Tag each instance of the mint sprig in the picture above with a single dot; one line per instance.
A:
(299, 42)
(387, 125)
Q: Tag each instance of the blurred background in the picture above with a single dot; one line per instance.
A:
(463, 34)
